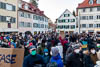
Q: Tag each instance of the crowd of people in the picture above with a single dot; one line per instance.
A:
(53, 50)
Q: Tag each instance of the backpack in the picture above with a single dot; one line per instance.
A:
(53, 64)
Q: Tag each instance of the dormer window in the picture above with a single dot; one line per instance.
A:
(20, 4)
(26, 6)
(98, 1)
(91, 2)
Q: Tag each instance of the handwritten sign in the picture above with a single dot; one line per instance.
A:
(11, 57)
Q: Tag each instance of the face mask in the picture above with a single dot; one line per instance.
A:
(33, 52)
(46, 54)
(93, 51)
(77, 50)
(98, 45)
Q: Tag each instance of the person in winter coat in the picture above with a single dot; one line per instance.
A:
(46, 56)
(93, 55)
(41, 48)
(33, 58)
(74, 59)
(87, 61)
(56, 57)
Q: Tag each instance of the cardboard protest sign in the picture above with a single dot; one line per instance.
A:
(98, 55)
(11, 57)
(62, 34)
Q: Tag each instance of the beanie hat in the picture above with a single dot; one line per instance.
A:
(55, 51)
(32, 47)
(45, 50)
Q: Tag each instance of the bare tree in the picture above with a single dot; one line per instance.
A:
(34, 2)
(74, 13)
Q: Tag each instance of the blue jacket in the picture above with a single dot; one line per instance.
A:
(58, 60)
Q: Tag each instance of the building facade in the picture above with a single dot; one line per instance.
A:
(31, 19)
(66, 22)
(89, 16)
(8, 16)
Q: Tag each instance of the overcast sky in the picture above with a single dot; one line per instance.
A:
(54, 8)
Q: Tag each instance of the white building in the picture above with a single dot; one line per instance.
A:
(31, 18)
(89, 16)
(66, 22)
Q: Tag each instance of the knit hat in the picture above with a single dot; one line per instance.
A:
(55, 51)
(45, 50)
(32, 47)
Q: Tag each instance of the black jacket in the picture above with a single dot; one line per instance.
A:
(31, 61)
(87, 61)
(74, 60)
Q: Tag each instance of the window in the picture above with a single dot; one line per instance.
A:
(20, 5)
(10, 7)
(98, 1)
(91, 9)
(63, 20)
(90, 25)
(26, 6)
(21, 24)
(98, 16)
(13, 20)
(73, 20)
(67, 26)
(29, 16)
(66, 15)
(83, 17)
(39, 26)
(90, 17)
(83, 9)
(83, 25)
(22, 14)
(91, 2)
(98, 8)
(86, 17)
(28, 25)
(3, 19)
(98, 25)
(95, 25)
(35, 25)
(34, 17)
(72, 26)
(42, 25)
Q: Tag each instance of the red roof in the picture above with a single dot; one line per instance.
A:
(86, 4)
(32, 9)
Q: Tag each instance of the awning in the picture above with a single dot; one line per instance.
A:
(9, 30)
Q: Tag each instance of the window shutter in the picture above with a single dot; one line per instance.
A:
(68, 15)
(3, 19)
(73, 20)
(68, 20)
(4, 6)
(14, 8)
(0, 4)
(0, 18)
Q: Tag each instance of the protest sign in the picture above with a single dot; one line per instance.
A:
(98, 55)
(11, 57)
